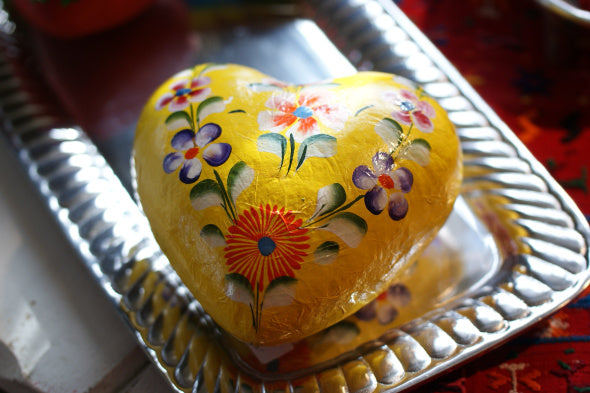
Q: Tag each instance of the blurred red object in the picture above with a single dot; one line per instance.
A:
(75, 18)
(103, 80)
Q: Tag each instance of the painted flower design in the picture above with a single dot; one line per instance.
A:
(386, 186)
(189, 146)
(301, 115)
(385, 307)
(183, 92)
(410, 109)
(266, 243)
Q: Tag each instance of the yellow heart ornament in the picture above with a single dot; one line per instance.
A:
(285, 208)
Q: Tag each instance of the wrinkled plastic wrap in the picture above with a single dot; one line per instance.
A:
(285, 208)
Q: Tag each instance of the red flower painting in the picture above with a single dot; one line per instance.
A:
(266, 243)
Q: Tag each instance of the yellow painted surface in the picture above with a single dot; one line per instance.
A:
(288, 229)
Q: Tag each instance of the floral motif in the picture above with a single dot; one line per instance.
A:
(264, 244)
(183, 92)
(410, 109)
(385, 307)
(515, 376)
(188, 145)
(381, 180)
(301, 115)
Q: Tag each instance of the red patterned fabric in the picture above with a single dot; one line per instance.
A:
(533, 69)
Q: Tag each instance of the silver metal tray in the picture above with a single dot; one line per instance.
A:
(568, 10)
(521, 243)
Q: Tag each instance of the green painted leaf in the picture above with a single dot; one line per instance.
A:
(319, 145)
(292, 151)
(213, 236)
(315, 86)
(206, 193)
(362, 109)
(347, 226)
(273, 143)
(301, 156)
(419, 151)
(239, 178)
(390, 131)
(280, 292)
(210, 105)
(279, 281)
(329, 199)
(326, 253)
(238, 288)
(260, 87)
(212, 67)
(178, 120)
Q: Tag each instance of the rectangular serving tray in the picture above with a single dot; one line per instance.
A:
(523, 252)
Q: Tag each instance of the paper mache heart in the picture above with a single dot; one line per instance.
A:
(285, 208)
